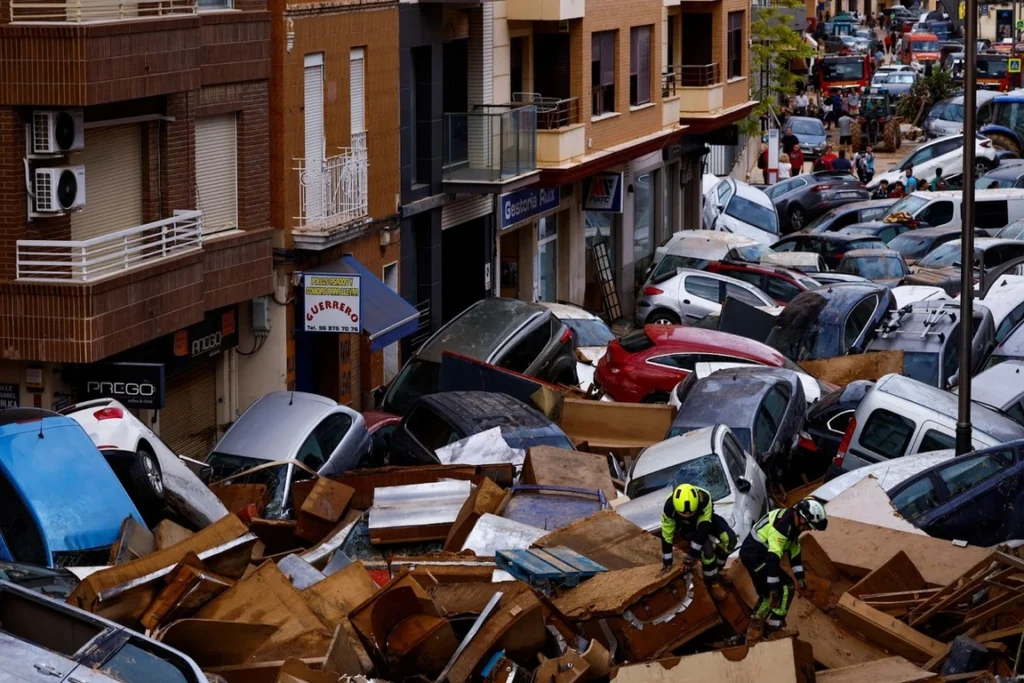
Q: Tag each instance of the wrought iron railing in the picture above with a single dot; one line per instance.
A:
(694, 75)
(335, 191)
(84, 11)
(552, 112)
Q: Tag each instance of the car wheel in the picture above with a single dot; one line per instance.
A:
(982, 166)
(146, 480)
(663, 317)
(797, 219)
(656, 397)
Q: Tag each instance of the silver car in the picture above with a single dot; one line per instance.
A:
(947, 117)
(690, 295)
(46, 640)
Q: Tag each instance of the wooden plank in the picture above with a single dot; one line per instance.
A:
(845, 369)
(608, 539)
(834, 645)
(550, 466)
(469, 599)
(168, 533)
(888, 670)
(887, 631)
(897, 573)
(211, 642)
(485, 498)
(188, 588)
(609, 593)
(516, 618)
(346, 655)
(604, 424)
(1001, 633)
(134, 541)
(333, 598)
(258, 672)
(322, 508)
(952, 591)
(237, 497)
(779, 661)
(297, 671)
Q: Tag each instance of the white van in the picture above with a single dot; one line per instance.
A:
(994, 209)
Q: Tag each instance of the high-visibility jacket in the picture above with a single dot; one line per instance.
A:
(696, 527)
(778, 533)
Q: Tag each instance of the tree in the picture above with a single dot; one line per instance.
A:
(923, 95)
(776, 46)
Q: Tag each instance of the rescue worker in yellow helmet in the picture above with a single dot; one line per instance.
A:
(775, 535)
(689, 513)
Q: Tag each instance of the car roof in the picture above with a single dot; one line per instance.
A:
(674, 451)
(685, 238)
(568, 311)
(871, 253)
(762, 268)
(889, 473)
(479, 411)
(983, 419)
(1007, 172)
(726, 396)
(861, 205)
(984, 243)
(753, 194)
(827, 236)
(479, 330)
(275, 425)
(932, 232)
(982, 95)
(1000, 384)
(694, 337)
(803, 118)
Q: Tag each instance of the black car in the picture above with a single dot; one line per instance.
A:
(437, 420)
(831, 246)
(838, 218)
(764, 407)
(941, 267)
(1006, 175)
(914, 245)
(825, 426)
(831, 321)
(801, 199)
(880, 229)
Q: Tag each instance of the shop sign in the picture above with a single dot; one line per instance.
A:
(331, 303)
(218, 331)
(603, 192)
(10, 397)
(137, 385)
(527, 203)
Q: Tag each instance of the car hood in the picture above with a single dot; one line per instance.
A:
(645, 511)
(935, 277)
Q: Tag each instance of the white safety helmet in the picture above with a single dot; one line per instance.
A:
(813, 512)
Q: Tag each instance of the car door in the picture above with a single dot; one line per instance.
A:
(699, 296)
(948, 154)
(857, 322)
(750, 506)
(421, 433)
(330, 433)
(522, 353)
(768, 422)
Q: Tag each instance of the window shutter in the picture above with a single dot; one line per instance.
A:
(313, 115)
(643, 84)
(357, 97)
(217, 172)
(634, 52)
(595, 47)
(608, 58)
(113, 182)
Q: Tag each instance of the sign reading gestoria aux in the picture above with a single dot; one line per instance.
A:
(332, 303)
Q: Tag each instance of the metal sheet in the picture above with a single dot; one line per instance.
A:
(472, 633)
(418, 504)
(299, 572)
(484, 448)
(493, 533)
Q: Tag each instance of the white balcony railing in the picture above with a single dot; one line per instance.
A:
(106, 255)
(85, 11)
(336, 192)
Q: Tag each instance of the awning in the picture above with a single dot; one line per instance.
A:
(386, 317)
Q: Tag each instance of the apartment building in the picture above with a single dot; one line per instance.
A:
(134, 171)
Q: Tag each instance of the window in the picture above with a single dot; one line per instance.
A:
(704, 287)
(840, 422)
(858, 320)
(938, 213)
(735, 458)
(311, 454)
(782, 290)
(643, 225)
(602, 72)
(745, 276)
(20, 533)
(526, 350)
(1009, 322)
(887, 434)
(313, 136)
(917, 499)
(746, 296)
(331, 430)
(991, 214)
(547, 254)
(136, 663)
(776, 402)
(724, 192)
(678, 361)
(785, 246)
(735, 44)
(214, 4)
(936, 441)
(764, 431)
(966, 473)
(430, 430)
(639, 65)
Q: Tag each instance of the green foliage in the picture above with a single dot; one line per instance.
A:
(924, 94)
(775, 45)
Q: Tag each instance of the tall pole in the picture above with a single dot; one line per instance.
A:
(963, 423)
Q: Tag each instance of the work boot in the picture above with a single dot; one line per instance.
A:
(755, 631)
(718, 591)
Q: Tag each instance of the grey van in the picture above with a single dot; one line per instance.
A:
(523, 337)
(901, 416)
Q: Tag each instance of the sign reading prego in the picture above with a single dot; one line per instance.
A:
(137, 385)
(332, 303)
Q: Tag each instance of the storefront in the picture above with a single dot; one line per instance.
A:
(528, 256)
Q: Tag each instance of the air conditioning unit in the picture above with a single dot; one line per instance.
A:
(59, 188)
(57, 132)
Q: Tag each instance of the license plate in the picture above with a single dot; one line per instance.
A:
(844, 195)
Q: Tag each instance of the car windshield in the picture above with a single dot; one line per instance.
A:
(873, 267)
(880, 79)
(992, 68)
(986, 183)
(589, 332)
(751, 253)
(417, 378)
(946, 255)
(953, 112)
(761, 217)
(925, 46)
(908, 204)
(827, 217)
(224, 466)
(807, 128)
(705, 472)
(924, 367)
(849, 69)
(669, 266)
(901, 77)
(911, 246)
(938, 110)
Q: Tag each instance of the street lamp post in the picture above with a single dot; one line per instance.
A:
(963, 423)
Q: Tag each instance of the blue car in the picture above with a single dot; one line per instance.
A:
(62, 504)
(974, 497)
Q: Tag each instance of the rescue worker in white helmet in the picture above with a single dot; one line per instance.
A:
(775, 535)
(689, 513)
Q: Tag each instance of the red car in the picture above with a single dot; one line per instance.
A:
(778, 283)
(644, 366)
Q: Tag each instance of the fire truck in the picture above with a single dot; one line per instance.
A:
(993, 71)
(844, 71)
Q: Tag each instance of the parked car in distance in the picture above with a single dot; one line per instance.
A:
(830, 321)
(901, 416)
(825, 425)
(711, 458)
(916, 244)
(437, 420)
(809, 131)
(1001, 388)
(941, 267)
(838, 218)
(884, 231)
(764, 407)
(889, 473)
(697, 248)
(780, 284)
(737, 207)
(646, 364)
(152, 474)
(946, 153)
(590, 337)
(1003, 177)
(974, 497)
(803, 198)
(690, 295)
(1005, 299)
(994, 208)
(63, 505)
(1013, 231)
(947, 117)
(883, 266)
(830, 245)
(515, 335)
(325, 437)
(897, 83)
(46, 639)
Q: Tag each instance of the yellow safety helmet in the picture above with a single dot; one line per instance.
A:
(685, 500)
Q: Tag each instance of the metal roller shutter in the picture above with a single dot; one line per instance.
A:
(357, 96)
(113, 181)
(217, 172)
(464, 210)
(188, 422)
(313, 115)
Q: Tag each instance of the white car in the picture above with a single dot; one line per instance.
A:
(946, 153)
(906, 295)
(711, 458)
(889, 473)
(732, 206)
(813, 389)
(151, 472)
(590, 336)
(1005, 298)
(690, 295)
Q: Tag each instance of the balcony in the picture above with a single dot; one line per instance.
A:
(89, 11)
(699, 87)
(492, 149)
(333, 196)
(669, 100)
(546, 10)
(561, 138)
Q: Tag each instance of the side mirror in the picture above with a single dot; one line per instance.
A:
(206, 475)
(743, 485)
(378, 395)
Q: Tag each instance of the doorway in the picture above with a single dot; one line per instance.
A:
(463, 261)
(391, 350)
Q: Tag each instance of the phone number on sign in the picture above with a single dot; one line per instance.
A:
(328, 328)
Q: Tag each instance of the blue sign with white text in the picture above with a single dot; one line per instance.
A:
(524, 204)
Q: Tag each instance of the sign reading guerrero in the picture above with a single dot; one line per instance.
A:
(332, 303)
